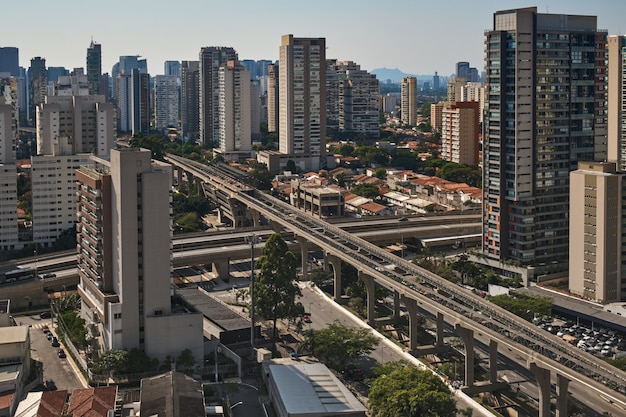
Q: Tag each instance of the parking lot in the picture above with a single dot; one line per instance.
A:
(57, 369)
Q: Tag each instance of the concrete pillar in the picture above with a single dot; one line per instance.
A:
(179, 176)
(396, 306)
(304, 255)
(276, 227)
(336, 264)
(468, 340)
(440, 326)
(562, 383)
(411, 307)
(542, 375)
(493, 361)
(255, 216)
(370, 286)
(221, 268)
(199, 186)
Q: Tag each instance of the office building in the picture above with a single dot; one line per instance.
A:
(302, 101)
(234, 111)
(37, 85)
(460, 132)
(10, 60)
(351, 99)
(272, 98)
(125, 65)
(211, 59)
(462, 69)
(172, 68)
(165, 102)
(408, 102)
(545, 111)
(94, 68)
(8, 175)
(436, 81)
(133, 102)
(124, 257)
(616, 100)
(597, 258)
(190, 100)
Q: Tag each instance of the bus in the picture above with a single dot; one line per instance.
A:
(19, 274)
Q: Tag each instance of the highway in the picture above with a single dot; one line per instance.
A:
(515, 336)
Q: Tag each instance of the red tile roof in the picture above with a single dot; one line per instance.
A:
(92, 402)
(52, 403)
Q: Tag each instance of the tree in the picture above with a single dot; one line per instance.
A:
(275, 292)
(523, 305)
(186, 359)
(337, 345)
(366, 190)
(381, 173)
(403, 390)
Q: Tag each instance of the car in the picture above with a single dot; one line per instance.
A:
(45, 315)
(50, 385)
(54, 342)
(61, 354)
(49, 275)
(403, 219)
(306, 318)
(45, 329)
(49, 335)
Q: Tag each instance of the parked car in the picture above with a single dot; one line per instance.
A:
(54, 342)
(49, 275)
(306, 318)
(403, 219)
(45, 329)
(49, 335)
(61, 354)
(45, 315)
(50, 385)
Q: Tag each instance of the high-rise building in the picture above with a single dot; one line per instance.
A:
(256, 110)
(462, 68)
(616, 103)
(408, 103)
(351, 99)
(165, 101)
(10, 60)
(125, 65)
(436, 115)
(38, 83)
(190, 100)
(211, 59)
(124, 257)
(459, 132)
(172, 68)
(302, 100)
(94, 68)
(545, 111)
(272, 98)
(8, 176)
(475, 91)
(436, 81)
(597, 217)
(234, 111)
(455, 89)
(133, 102)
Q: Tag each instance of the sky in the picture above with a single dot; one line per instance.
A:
(415, 36)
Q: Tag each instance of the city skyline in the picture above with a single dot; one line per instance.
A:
(415, 37)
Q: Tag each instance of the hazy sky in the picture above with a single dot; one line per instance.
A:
(416, 36)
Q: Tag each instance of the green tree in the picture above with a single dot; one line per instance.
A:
(275, 292)
(524, 305)
(403, 390)
(75, 326)
(366, 190)
(186, 359)
(426, 109)
(381, 173)
(319, 277)
(113, 361)
(337, 345)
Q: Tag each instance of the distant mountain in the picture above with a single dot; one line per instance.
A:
(396, 76)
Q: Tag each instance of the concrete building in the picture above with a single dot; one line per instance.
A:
(190, 100)
(616, 103)
(37, 84)
(165, 101)
(234, 108)
(460, 133)
(351, 99)
(210, 60)
(408, 106)
(302, 101)
(320, 201)
(124, 257)
(388, 103)
(272, 98)
(133, 102)
(14, 366)
(94, 68)
(596, 218)
(436, 115)
(545, 111)
(9, 60)
(172, 68)
(474, 91)
(8, 173)
(455, 89)
(125, 65)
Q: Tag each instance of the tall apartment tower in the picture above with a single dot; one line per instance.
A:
(462, 69)
(616, 103)
(211, 59)
(124, 257)
(352, 99)
(10, 61)
(545, 111)
(190, 100)
(459, 132)
(37, 84)
(133, 101)
(436, 115)
(455, 89)
(165, 101)
(8, 175)
(172, 68)
(597, 219)
(234, 109)
(475, 91)
(272, 98)
(408, 103)
(302, 100)
(94, 68)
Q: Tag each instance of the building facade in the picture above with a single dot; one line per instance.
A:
(190, 100)
(8, 173)
(597, 218)
(94, 68)
(165, 101)
(37, 84)
(10, 60)
(460, 133)
(544, 112)
(124, 257)
(302, 100)
(234, 107)
(616, 104)
(272, 98)
(408, 102)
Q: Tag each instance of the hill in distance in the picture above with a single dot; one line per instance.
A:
(395, 75)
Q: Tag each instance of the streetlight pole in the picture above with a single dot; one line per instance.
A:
(252, 239)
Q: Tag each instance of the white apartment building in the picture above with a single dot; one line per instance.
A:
(124, 259)
(408, 102)
(475, 92)
(8, 174)
(616, 100)
(459, 133)
(165, 101)
(235, 135)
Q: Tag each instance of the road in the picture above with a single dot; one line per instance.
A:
(59, 370)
